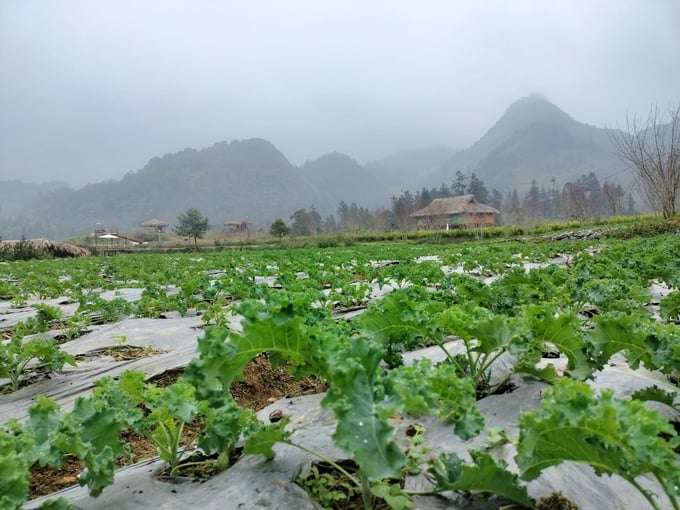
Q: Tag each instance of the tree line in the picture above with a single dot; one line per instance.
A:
(649, 147)
(582, 199)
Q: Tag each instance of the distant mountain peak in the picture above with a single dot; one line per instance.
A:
(520, 115)
(256, 144)
(533, 139)
(531, 109)
(336, 158)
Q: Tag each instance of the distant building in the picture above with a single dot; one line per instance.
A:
(455, 212)
(236, 225)
(155, 225)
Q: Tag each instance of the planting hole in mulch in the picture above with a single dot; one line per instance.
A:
(555, 501)
(485, 390)
(28, 377)
(261, 386)
(122, 352)
(198, 466)
(332, 488)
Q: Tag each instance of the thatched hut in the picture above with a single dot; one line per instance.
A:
(455, 212)
(236, 225)
(57, 249)
(155, 225)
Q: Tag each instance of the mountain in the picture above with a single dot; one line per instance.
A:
(16, 194)
(533, 139)
(409, 169)
(242, 179)
(251, 179)
(345, 180)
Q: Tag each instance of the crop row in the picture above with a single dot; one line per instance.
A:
(589, 307)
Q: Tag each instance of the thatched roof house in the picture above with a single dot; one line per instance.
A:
(155, 225)
(455, 212)
(55, 248)
(236, 225)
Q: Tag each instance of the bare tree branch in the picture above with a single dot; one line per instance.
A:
(652, 149)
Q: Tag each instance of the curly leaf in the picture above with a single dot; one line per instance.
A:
(484, 476)
(670, 305)
(99, 471)
(563, 331)
(613, 436)
(656, 394)
(393, 495)
(14, 472)
(56, 504)
(223, 426)
(425, 389)
(363, 429)
(263, 438)
(494, 333)
(43, 424)
(277, 328)
(395, 319)
(617, 332)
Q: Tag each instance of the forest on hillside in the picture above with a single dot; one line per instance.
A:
(582, 199)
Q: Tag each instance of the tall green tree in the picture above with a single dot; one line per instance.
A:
(477, 188)
(532, 201)
(402, 207)
(305, 223)
(279, 228)
(496, 199)
(514, 207)
(191, 223)
(459, 185)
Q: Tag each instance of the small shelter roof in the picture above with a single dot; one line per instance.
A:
(454, 205)
(234, 222)
(154, 223)
(236, 225)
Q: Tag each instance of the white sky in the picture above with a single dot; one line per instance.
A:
(92, 89)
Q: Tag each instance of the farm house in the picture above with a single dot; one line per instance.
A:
(455, 212)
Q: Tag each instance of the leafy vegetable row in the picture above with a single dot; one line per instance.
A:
(586, 312)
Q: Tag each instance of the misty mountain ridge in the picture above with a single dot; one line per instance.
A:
(14, 195)
(247, 179)
(408, 169)
(252, 179)
(344, 179)
(534, 139)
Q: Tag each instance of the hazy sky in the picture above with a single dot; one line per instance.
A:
(92, 89)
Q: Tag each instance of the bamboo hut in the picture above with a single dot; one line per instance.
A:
(155, 225)
(455, 212)
(236, 225)
(57, 249)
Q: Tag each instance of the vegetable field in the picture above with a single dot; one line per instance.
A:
(474, 375)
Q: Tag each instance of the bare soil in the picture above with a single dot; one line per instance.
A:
(261, 386)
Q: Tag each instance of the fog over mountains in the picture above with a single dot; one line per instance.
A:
(534, 139)
(252, 179)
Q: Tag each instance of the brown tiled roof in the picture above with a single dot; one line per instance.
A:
(454, 205)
